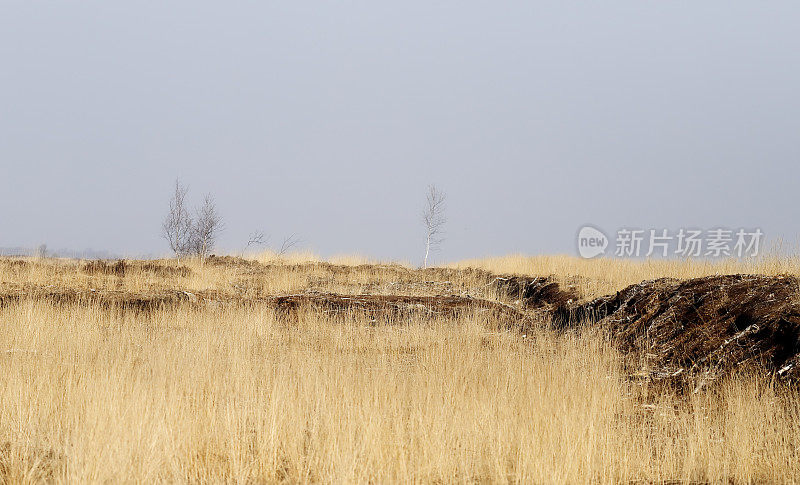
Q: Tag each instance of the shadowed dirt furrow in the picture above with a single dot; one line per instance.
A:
(386, 307)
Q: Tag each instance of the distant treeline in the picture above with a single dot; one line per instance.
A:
(60, 253)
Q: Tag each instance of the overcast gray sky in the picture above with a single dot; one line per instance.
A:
(328, 119)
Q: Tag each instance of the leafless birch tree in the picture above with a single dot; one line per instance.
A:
(434, 219)
(177, 226)
(206, 228)
(191, 236)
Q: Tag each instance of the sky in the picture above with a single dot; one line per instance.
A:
(329, 120)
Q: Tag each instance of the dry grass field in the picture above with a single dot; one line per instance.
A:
(220, 386)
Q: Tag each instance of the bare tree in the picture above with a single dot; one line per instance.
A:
(256, 238)
(178, 227)
(191, 236)
(434, 219)
(41, 251)
(288, 243)
(206, 228)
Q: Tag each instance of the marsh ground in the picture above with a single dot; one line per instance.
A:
(235, 391)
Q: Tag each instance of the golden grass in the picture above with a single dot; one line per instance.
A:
(91, 396)
(238, 395)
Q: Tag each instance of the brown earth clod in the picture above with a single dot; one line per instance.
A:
(710, 326)
(535, 292)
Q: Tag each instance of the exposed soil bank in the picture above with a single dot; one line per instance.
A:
(373, 307)
(710, 325)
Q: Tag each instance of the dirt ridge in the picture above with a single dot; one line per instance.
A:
(710, 325)
(383, 306)
(703, 326)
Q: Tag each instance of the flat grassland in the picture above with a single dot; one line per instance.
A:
(212, 382)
